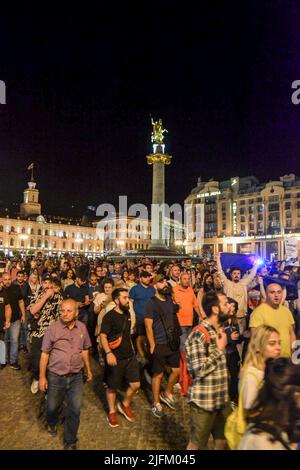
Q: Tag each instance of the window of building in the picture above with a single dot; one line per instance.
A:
(288, 214)
(251, 201)
(223, 226)
(64, 245)
(242, 210)
(31, 243)
(1, 228)
(251, 217)
(22, 243)
(242, 227)
(46, 244)
(32, 231)
(260, 208)
(46, 233)
(242, 202)
(81, 246)
(251, 227)
(274, 207)
(287, 205)
(12, 242)
(1, 242)
(243, 218)
(72, 246)
(260, 217)
(298, 205)
(73, 235)
(39, 243)
(273, 198)
(287, 196)
(39, 232)
(23, 230)
(12, 229)
(54, 245)
(259, 199)
(251, 209)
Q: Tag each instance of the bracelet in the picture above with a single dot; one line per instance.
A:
(109, 352)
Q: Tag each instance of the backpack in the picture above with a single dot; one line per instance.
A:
(236, 423)
(185, 377)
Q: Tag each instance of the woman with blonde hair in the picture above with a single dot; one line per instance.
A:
(264, 345)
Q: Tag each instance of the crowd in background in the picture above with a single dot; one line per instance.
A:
(248, 322)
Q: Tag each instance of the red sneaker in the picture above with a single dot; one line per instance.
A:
(126, 411)
(112, 420)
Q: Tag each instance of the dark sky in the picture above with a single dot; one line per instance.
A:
(81, 82)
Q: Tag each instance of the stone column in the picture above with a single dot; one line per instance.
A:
(158, 200)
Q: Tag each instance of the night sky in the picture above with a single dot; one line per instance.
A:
(82, 81)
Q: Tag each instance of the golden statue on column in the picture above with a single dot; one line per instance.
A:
(157, 135)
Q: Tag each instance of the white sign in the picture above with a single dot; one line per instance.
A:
(291, 249)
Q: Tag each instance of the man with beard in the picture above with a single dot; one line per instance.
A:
(64, 354)
(161, 323)
(206, 362)
(120, 361)
(44, 309)
(140, 295)
(236, 289)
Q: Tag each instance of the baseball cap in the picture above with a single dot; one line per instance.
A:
(47, 277)
(159, 278)
(145, 274)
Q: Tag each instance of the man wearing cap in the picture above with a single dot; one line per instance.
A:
(161, 318)
(79, 291)
(140, 295)
(44, 309)
(272, 313)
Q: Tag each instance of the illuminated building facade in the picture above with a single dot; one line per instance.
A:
(242, 215)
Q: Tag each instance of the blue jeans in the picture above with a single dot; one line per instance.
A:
(185, 332)
(2, 348)
(24, 331)
(59, 389)
(12, 339)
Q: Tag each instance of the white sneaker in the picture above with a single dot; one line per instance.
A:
(34, 386)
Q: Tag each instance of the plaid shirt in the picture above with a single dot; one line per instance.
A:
(207, 366)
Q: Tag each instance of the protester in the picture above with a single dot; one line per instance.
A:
(206, 361)
(120, 362)
(274, 424)
(64, 354)
(163, 333)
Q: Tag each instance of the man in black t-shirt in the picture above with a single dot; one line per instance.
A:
(160, 316)
(15, 298)
(79, 291)
(5, 317)
(121, 362)
(27, 294)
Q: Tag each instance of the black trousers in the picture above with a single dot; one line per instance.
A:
(233, 366)
(36, 345)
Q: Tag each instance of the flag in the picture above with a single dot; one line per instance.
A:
(30, 167)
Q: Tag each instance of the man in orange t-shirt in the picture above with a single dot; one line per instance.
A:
(184, 295)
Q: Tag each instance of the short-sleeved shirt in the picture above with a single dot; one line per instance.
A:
(65, 347)
(168, 310)
(141, 295)
(113, 324)
(3, 303)
(280, 318)
(48, 313)
(78, 294)
(14, 294)
(188, 302)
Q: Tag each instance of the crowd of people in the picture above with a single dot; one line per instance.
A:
(223, 337)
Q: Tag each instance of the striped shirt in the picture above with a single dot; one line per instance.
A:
(206, 364)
